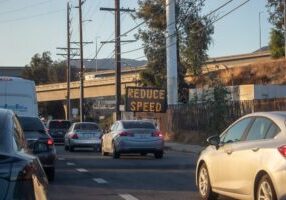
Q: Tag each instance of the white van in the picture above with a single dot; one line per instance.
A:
(19, 95)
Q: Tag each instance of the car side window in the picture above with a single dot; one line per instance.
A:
(259, 129)
(235, 133)
(18, 135)
(119, 127)
(273, 131)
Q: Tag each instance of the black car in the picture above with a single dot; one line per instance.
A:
(35, 131)
(57, 129)
(21, 174)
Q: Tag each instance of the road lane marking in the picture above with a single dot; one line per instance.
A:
(60, 158)
(128, 197)
(100, 180)
(81, 170)
(70, 164)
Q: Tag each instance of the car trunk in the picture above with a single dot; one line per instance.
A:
(87, 135)
(141, 134)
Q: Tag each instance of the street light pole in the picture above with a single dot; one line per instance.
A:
(260, 29)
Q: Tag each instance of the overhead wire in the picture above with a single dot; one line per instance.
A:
(216, 20)
(25, 7)
(32, 16)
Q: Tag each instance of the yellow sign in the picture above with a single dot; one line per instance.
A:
(139, 99)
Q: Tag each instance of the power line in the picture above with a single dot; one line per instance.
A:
(216, 20)
(32, 16)
(23, 8)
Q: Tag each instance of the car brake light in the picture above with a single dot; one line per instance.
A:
(50, 141)
(124, 134)
(157, 134)
(282, 150)
(74, 136)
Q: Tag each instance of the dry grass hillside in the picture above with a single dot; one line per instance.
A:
(271, 72)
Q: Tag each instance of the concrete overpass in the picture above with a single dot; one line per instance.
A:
(92, 88)
(101, 84)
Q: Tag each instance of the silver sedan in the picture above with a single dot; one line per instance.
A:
(130, 136)
(83, 134)
(247, 161)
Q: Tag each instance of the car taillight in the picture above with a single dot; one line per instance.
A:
(124, 134)
(50, 141)
(74, 136)
(157, 134)
(282, 150)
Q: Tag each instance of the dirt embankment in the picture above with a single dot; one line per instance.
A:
(270, 72)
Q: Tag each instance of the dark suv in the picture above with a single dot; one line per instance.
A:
(35, 132)
(57, 129)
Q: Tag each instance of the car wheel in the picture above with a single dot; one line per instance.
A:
(158, 155)
(143, 154)
(51, 174)
(66, 148)
(71, 148)
(265, 189)
(115, 153)
(103, 153)
(204, 184)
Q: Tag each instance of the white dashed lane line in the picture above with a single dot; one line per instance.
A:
(100, 180)
(128, 197)
(60, 158)
(81, 170)
(70, 164)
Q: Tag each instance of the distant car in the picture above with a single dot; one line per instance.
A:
(34, 132)
(83, 134)
(247, 161)
(21, 174)
(57, 129)
(128, 136)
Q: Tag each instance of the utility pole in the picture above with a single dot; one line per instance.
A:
(171, 42)
(81, 100)
(118, 59)
(68, 62)
(117, 54)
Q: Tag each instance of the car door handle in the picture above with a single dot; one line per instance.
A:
(255, 149)
(229, 151)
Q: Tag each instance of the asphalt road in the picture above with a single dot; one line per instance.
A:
(88, 175)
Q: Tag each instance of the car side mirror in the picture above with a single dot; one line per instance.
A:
(40, 147)
(214, 140)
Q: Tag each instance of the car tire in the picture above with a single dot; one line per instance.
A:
(103, 153)
(204, 185)
(71, 148)
(115, 153)
(159, 155)
(66, 148)
(143, 154)
(51, 174)
(265, 184)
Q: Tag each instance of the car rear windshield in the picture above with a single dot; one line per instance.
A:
(139, 125)
(59, 124)
(86, 127)
(31, 124)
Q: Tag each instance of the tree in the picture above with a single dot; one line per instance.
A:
(276, 43)
(38, 68)
(193, 33)
(42, 69)
(276, 13)
(276, 17)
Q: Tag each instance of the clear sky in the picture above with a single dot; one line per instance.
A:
(28, 27)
